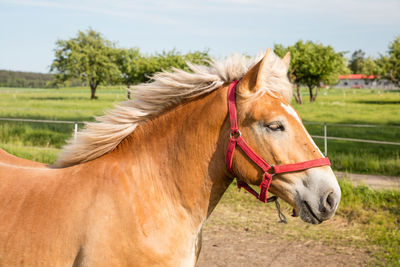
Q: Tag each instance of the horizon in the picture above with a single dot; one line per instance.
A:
(222, 26)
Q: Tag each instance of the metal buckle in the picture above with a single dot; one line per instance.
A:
(272, 167)
(235, 134)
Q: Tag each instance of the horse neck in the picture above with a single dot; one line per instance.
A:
(179, 155)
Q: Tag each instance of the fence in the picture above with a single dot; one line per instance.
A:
(325, 136)
(75, 123)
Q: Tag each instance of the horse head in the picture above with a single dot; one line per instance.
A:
(274, 130)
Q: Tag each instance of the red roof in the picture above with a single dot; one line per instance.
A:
(356, 77)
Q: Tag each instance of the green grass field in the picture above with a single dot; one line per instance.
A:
(363, 106)
(69, 104)
(357, 106)
(333, 106)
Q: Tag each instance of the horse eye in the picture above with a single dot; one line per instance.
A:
(275, 126)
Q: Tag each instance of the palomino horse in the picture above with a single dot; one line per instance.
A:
(137, 186)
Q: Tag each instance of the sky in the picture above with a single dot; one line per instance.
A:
(30, 28)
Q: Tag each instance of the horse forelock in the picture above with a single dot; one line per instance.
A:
(165, 91)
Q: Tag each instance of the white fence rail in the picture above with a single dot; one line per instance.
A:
(75, 123)
(325, 136)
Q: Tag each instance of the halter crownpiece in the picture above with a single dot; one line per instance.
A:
(269, 170)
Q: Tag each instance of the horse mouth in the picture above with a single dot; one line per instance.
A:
(308, 215)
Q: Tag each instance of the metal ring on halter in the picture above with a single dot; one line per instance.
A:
(272, 168)
(235, 134)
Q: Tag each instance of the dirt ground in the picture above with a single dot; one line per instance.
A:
(373, 181)
(230, 247)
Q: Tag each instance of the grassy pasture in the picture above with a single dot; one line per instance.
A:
(333, 106)
(69, 104)
(361, 157)
(364, 106)
(357, 106)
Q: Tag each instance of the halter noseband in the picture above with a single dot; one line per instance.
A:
(269, 170)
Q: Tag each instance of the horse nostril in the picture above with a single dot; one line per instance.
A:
(330, 201)
(328, 205)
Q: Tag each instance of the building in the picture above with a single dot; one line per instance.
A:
(363, 81)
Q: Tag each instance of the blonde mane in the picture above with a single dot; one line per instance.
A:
(165, 91)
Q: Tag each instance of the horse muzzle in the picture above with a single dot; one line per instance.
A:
(318, 196)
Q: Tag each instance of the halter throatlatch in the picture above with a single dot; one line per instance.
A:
(236, 139)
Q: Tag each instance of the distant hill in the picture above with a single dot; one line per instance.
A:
(10, 78)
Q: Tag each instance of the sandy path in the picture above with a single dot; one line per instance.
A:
(230, 247)
(373, 181)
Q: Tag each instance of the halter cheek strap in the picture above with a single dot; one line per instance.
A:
(236, 139)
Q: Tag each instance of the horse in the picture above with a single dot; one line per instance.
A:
(136, 186)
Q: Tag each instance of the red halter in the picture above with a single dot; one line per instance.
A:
(269, 170)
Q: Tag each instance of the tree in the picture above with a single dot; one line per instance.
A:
(356, 61)
(136, 68)
(391, 63)
(128, 62)
(88, 57)
(369, 67)
(174, 59)
(311, 65)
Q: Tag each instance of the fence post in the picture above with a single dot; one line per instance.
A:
(325, 141)
(75, 131)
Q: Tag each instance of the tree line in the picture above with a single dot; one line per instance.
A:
(89, 59)
(25, 79)
(314, 64)
(95, 60)
(384, 67)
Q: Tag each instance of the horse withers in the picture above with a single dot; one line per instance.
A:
(137, 186)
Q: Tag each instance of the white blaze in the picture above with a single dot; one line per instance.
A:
(289, 109)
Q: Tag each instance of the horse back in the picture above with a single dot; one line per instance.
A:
(8, 158)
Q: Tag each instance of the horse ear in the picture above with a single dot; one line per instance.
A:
(257, 76)
(263, 69)
(286, 60)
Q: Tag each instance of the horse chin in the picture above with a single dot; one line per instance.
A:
(308, 216)
(305, 216)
